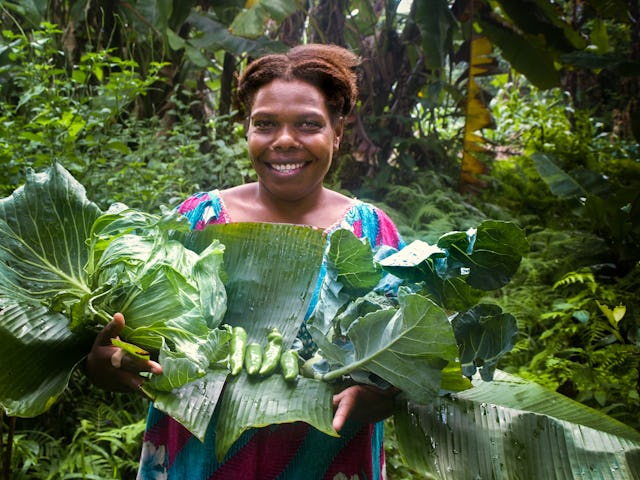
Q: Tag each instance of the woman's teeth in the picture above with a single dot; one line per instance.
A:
(286, 167)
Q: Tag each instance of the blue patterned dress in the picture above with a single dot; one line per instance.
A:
(283, 452)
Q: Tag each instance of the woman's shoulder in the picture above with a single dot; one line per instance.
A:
(203, 208)
(367, 220)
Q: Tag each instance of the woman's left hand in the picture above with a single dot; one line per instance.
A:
(362, 403)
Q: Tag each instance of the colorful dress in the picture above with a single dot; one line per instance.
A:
(283, 452)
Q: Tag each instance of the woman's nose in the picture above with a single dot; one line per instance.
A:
(285, 138)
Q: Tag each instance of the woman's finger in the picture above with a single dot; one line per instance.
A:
(111, 330)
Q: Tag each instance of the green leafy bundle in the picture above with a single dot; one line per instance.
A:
(67, 267)
(70, 267)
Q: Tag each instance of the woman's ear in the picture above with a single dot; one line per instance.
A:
(338, 131)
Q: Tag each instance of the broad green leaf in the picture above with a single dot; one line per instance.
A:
(178, 369)
(436, 24)
(413, 256)
(462, 264)
(533, 61)
(350, 272)
(271, 271)
(542, 19)
(250, 21)
(52, 233)
(352, 259)
(38, 354)
(249, 402)
(206, 273)
(407, 347)
(510, 428)
(559, 182)
(44, 226)
(194, 403)
(484, 333)
(216, 36)
(176, 42)
(371, 302)
(495, 256)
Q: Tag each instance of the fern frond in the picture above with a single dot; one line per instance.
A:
(581, 276)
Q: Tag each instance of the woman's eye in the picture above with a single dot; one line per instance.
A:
(263, 124)
(310, 125)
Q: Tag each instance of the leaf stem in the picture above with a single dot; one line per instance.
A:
(345, 370)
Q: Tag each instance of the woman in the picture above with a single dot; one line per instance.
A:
(296, 105)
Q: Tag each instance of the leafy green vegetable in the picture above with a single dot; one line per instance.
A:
(407, 347)
(181, 305)
(65, 256)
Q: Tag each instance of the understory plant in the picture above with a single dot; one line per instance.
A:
(573, 187)
(88, 434)
(85, 117)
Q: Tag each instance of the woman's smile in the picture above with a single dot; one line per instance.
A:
(287, 168)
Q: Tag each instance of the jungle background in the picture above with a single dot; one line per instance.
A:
(518, 110)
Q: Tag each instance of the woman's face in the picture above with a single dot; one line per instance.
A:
(291, 138)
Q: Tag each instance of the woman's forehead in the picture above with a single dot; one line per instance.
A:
(289, 95)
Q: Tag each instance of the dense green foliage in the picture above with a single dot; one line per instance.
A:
(575, 189)
(83, 117)
(139, 125)
(89, 434)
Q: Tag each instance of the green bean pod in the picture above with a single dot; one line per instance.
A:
(253, 358)
(289, 364)
(237, 349)
(272, 352)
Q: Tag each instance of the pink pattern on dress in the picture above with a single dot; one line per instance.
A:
(266, 455)
(357, 228)
(387, 233)
(192, 202)
(171, 433)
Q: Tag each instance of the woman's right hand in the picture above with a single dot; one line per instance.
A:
(111, 368)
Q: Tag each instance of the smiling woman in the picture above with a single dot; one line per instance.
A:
(295, 105)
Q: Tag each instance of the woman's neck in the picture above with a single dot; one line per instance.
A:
(252, 203)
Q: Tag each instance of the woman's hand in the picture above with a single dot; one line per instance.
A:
(111, 368)
(362, 403)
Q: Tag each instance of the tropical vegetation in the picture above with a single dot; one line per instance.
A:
(518, 111)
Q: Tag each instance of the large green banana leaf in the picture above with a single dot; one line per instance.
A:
(270, 273)
(513, 429)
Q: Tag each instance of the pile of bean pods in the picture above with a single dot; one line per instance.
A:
(259, 360)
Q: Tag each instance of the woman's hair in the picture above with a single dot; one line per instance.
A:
(330, 68)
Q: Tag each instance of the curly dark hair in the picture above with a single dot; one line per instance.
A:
(330, 68)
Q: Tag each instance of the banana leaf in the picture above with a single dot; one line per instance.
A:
(250, 402)
(270, 272)
(513, 429)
